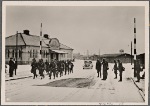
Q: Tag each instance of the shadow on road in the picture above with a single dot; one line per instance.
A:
(71, 82)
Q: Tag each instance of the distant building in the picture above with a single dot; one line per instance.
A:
(28, 47)
(141, 57)
(123, 57)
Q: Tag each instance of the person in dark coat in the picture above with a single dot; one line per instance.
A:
(47, 66)
(66, 67)
(52, 67)
(115, 69)
(138, 70)
(120, 68)
(98, 68)
(105, 68)
(34, 67)
(41, 68)
(16, 65)
(11, 67)
(72, 65)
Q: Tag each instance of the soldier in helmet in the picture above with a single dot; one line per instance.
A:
(41, 68)
(34, 67)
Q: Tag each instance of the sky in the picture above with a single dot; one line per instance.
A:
(92, 28)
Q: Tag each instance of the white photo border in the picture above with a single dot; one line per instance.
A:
(75, 3)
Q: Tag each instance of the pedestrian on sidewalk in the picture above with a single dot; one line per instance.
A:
(105, 68)
(115, 68)
(11, 67)
(34, 67)
(15, 64)
(121, 69)
(98, 68)
(138, 70)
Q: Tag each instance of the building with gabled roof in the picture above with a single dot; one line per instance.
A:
(28, 47)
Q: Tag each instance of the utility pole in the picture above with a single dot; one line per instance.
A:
(134, 47)
(131, 52)
(16, 62)
(40, 57)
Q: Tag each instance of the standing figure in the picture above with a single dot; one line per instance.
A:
(47, 66)
(41, 68)
(98, 68)
(52, 67)
(120, 68)
(105, 68)
(138, 70)
(72, 65)
(15, 68)
(11, 67)
(66, 67)
(69, 66)
(34, 67)
(115, 69)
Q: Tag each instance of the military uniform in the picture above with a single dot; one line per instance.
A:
(41, 68)
(105, 68)
(33, 69)
(98, 68)
(11, 67)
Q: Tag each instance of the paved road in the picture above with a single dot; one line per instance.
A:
(80, 86)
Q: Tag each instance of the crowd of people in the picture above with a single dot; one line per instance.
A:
(55, 68)
(118, 67)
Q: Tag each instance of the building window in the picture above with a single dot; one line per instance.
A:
(13, 53)
(36, 54)
(30, 53)
(33, 53)
(7, 53)
(20, 53)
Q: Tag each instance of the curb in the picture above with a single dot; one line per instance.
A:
(140, 90)
(18, 78)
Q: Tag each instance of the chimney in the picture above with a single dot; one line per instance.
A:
(26, 32)
(46, 36)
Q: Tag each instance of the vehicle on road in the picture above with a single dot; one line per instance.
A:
(88, 64)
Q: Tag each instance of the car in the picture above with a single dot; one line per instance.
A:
(87, 64)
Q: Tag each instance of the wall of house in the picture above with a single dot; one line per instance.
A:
(69, 55)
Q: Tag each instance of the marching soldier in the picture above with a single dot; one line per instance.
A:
(52, 67)
(41, 68)
(115, 69)
(66, 67)
(72, 65)
(34, 67)
(105, 68)
(11, 67)
(47, 66)
(98, 68)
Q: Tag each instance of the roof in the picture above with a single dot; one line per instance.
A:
(24, 39)
(62, 46)
(31, 40)
(114, 55)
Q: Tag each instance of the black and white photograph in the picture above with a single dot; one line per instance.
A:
(75, 53)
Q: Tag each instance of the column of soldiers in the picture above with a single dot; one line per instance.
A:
(55, 68)
(104, 65)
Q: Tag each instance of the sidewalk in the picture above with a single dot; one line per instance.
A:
(140, 85)
(23, 71)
